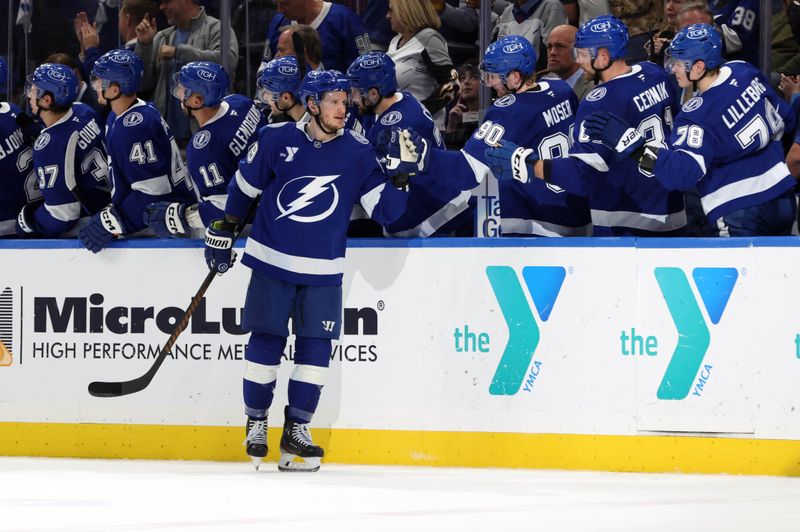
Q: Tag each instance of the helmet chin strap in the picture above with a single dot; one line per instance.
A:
(695, 81)
(319, 124)
(599, 71)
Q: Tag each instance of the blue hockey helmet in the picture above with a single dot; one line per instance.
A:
(317, 83)
(58, 80)
(605, 31)
(207, 79)
(119, 66)
(698, 42)
(3, 75)
(279, 75)
(507, 54)
(373, 69)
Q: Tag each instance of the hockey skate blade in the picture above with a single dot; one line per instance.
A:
(256, 461)
(287, 463)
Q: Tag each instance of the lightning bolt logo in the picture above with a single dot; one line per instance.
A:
(306, 196)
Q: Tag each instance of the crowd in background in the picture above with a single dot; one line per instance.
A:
(433, 44)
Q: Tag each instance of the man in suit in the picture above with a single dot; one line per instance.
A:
(560, 64)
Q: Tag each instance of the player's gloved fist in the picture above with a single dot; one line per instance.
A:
(219, 246)
(167, 220)
(25, 225)
(102, 228)
(508, 161)
(613, 132)
(407, 153)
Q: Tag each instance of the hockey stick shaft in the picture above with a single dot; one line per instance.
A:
(117, 389)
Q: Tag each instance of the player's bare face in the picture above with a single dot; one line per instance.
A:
(333, 110)
(679, 69)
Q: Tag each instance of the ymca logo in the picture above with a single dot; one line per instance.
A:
(6, 327)
(544, 284)
(290, 153)
(715, 286)
(328, 325)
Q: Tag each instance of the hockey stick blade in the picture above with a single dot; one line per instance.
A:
(118, 389)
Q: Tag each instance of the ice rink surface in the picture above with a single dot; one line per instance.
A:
(49, 494)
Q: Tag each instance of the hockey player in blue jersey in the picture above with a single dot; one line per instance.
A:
(341, 33)
(432, 202)
(279, 87)
(18, 185)
(726, 141)
(308, 174)
(227, 129)
(68, 156)
(624, 200)
(538, 114)
(145, 163)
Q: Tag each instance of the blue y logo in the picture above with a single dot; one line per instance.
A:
(715, 286)
(544, 284)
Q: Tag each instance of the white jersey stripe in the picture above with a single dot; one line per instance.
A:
(638, 220)
(745, 187)
(292, 263)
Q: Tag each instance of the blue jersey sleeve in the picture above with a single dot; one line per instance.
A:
(381, 200)
(254, 173)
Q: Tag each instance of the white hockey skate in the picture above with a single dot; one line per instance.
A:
(256, 440)
(298, 452)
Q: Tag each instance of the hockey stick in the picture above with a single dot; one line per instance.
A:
(117, 389)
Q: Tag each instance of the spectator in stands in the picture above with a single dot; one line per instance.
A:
(462, 120)
(85, 94)
(534, 20)
(192, 36)
(340, 30)
(423, 65)
(694, 13)
(571, 9)
(739, 20)
(589, 9)
(377, 25)
(131, 14)
(561, 65)
(659, 42)
(459, 28)
(642, 17)
(311, 44)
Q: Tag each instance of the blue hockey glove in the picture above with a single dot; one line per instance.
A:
(25, 225)
(613, 132)
(219, 246)
(102, 228)
(167, 220)
(508, 161)
(407, 153)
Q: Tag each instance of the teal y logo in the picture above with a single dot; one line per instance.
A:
(544, 284)
(714, 286)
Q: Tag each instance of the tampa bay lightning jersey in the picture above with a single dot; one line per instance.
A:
(340, 30)
(540, 118)
(145, 163)
(72, 171)
(213, 153)
(432, 202)
(18, 184)
(742, 18)
(308, 189)
(727, 142)
(624, 200)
